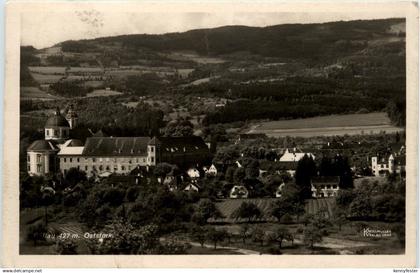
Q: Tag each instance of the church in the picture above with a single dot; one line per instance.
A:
(57, 152)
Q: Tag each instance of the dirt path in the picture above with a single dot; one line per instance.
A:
(239, 250)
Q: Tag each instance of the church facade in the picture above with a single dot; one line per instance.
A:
(101, 154)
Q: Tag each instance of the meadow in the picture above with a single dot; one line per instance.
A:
(351, 124)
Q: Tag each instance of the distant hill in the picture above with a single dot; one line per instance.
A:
(309, 42)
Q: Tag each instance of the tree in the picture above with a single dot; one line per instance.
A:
(247, 210)
(199, 234)
(206, 209)
(239, 175)
(305, 170)
(280, 235)
(74, 176)
(178, 128)
(312, 234)
(258, 235)
(36, 233)
(339, 216)
(215, 236)
(244, 232)
(66, 247)
(289, 203)
(126, 239)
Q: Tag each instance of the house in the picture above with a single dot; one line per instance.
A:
(395, 162)
(279, 190)
(325, 186)
(210, 171)
(192, 187)
(193, 173)
(294, 155)
(238, 191)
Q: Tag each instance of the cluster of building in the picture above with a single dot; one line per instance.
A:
(57, 152)
(102, 155)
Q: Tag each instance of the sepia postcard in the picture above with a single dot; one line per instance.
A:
(249, 134)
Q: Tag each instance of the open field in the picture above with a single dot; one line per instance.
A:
(228, 206)
(103, 93)
(34, 93)
(352, 124)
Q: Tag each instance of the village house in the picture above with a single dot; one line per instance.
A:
(294, 155)
(395, 162)
(325, 186)
(210, 171)
(238, 191)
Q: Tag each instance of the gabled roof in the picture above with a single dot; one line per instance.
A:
(189, 144)
(116, 146)
(42, 146)
(325, 180)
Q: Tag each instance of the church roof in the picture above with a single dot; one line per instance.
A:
(116, 146)
(42, 146)
(57, 120)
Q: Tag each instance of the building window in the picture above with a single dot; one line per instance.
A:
(38, 158)
(78, 160)
(29, 159)
(100, 167)
(93, 159)
(39, 168)
(129, 161)
(122, 168)
(78, 167)
(144, 160)
(115, 168)
(29, 168)
(54, 132)
(71, 159)
(107, 168)
(152, 149)
(152, 159)
(47, 132)
(64, 159)
(86, 168)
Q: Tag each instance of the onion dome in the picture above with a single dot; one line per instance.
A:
(57, 120)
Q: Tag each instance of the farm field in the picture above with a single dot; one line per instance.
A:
(228, 206)
(103, 93)
(352, 124)
(34, 93)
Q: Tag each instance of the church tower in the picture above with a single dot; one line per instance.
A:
(71, 117)
(57, 127)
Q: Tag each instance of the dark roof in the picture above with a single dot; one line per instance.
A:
(100, 133)
(75, 143)
(116, 146)
(182, 144)
(154, 141)
(325, 180)
(42, 145)
(57, 120)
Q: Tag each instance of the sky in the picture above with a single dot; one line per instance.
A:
(48, 28)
